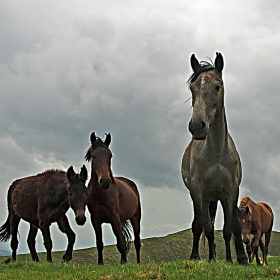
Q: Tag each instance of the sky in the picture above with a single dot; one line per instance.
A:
(68, 68)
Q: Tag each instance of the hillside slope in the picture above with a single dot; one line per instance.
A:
(158, 249)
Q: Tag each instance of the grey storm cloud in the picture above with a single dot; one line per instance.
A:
(70, 68)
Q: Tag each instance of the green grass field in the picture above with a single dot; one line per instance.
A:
(162, 258)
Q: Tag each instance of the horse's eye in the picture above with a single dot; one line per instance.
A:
(218, 87)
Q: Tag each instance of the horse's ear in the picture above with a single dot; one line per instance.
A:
(194, 63)
(247, 210)
(219, 62)
(108, 140)
(92, 137)
(84, 173)
(70, 173)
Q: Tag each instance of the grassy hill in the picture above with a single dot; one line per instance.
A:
(176, 246)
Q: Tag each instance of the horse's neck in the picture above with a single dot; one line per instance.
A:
(217, 137)
(94, 181)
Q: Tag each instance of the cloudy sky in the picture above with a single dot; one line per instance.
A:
(68, 68)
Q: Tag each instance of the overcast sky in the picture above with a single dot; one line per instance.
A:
(68, 68)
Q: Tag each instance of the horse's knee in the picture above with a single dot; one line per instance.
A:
(71, 237)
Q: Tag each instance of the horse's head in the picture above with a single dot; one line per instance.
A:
(100, 156)
(207, 90)
(245, 219)
(78, 193)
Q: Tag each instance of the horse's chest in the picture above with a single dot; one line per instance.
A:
(217, 181)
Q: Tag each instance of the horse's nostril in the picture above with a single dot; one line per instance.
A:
(203, 124)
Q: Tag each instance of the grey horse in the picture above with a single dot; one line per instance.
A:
(211, 167)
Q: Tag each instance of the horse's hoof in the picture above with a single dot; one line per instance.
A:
(7, 261)
(195, 258)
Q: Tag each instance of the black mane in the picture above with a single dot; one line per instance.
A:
(96, 144)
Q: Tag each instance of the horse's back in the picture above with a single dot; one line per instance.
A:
(37, 194)
(266, 216)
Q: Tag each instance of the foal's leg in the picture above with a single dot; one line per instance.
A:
(227, 229)
(31, 243)
(64, 226)
(209, 230)
(47, 241)
(255, 246)
(135, 222)
(15, 219)
(249, 251)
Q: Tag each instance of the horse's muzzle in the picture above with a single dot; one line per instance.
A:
(198, 129)
(105, 183)
(246, 241)
(80, 217)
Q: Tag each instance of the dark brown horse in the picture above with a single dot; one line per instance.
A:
(211, 167)
(256, 218)
(113, 200)
(41, 200)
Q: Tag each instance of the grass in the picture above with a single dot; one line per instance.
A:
(181, 269)
(162, 258)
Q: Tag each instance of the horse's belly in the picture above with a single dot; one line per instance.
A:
(24, 204)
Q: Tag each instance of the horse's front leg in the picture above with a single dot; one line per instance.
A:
(208, 230)
(121, 244)
(31, 243)
(47, 241)
(197, 225)
(249, 251)
(64, 226)
(99, 243)
(255, 245)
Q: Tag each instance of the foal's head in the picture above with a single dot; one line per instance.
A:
(245, 219)
(78, 193)
(207, 90)
(100, 156)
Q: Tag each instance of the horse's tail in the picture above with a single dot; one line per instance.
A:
(213, 210)
(126, 232)
(5, 231)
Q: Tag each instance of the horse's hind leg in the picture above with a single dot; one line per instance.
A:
(135, 222)
(64, 226)
(31, 243)
(265, 247)
(15, 219)
(121, 244)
